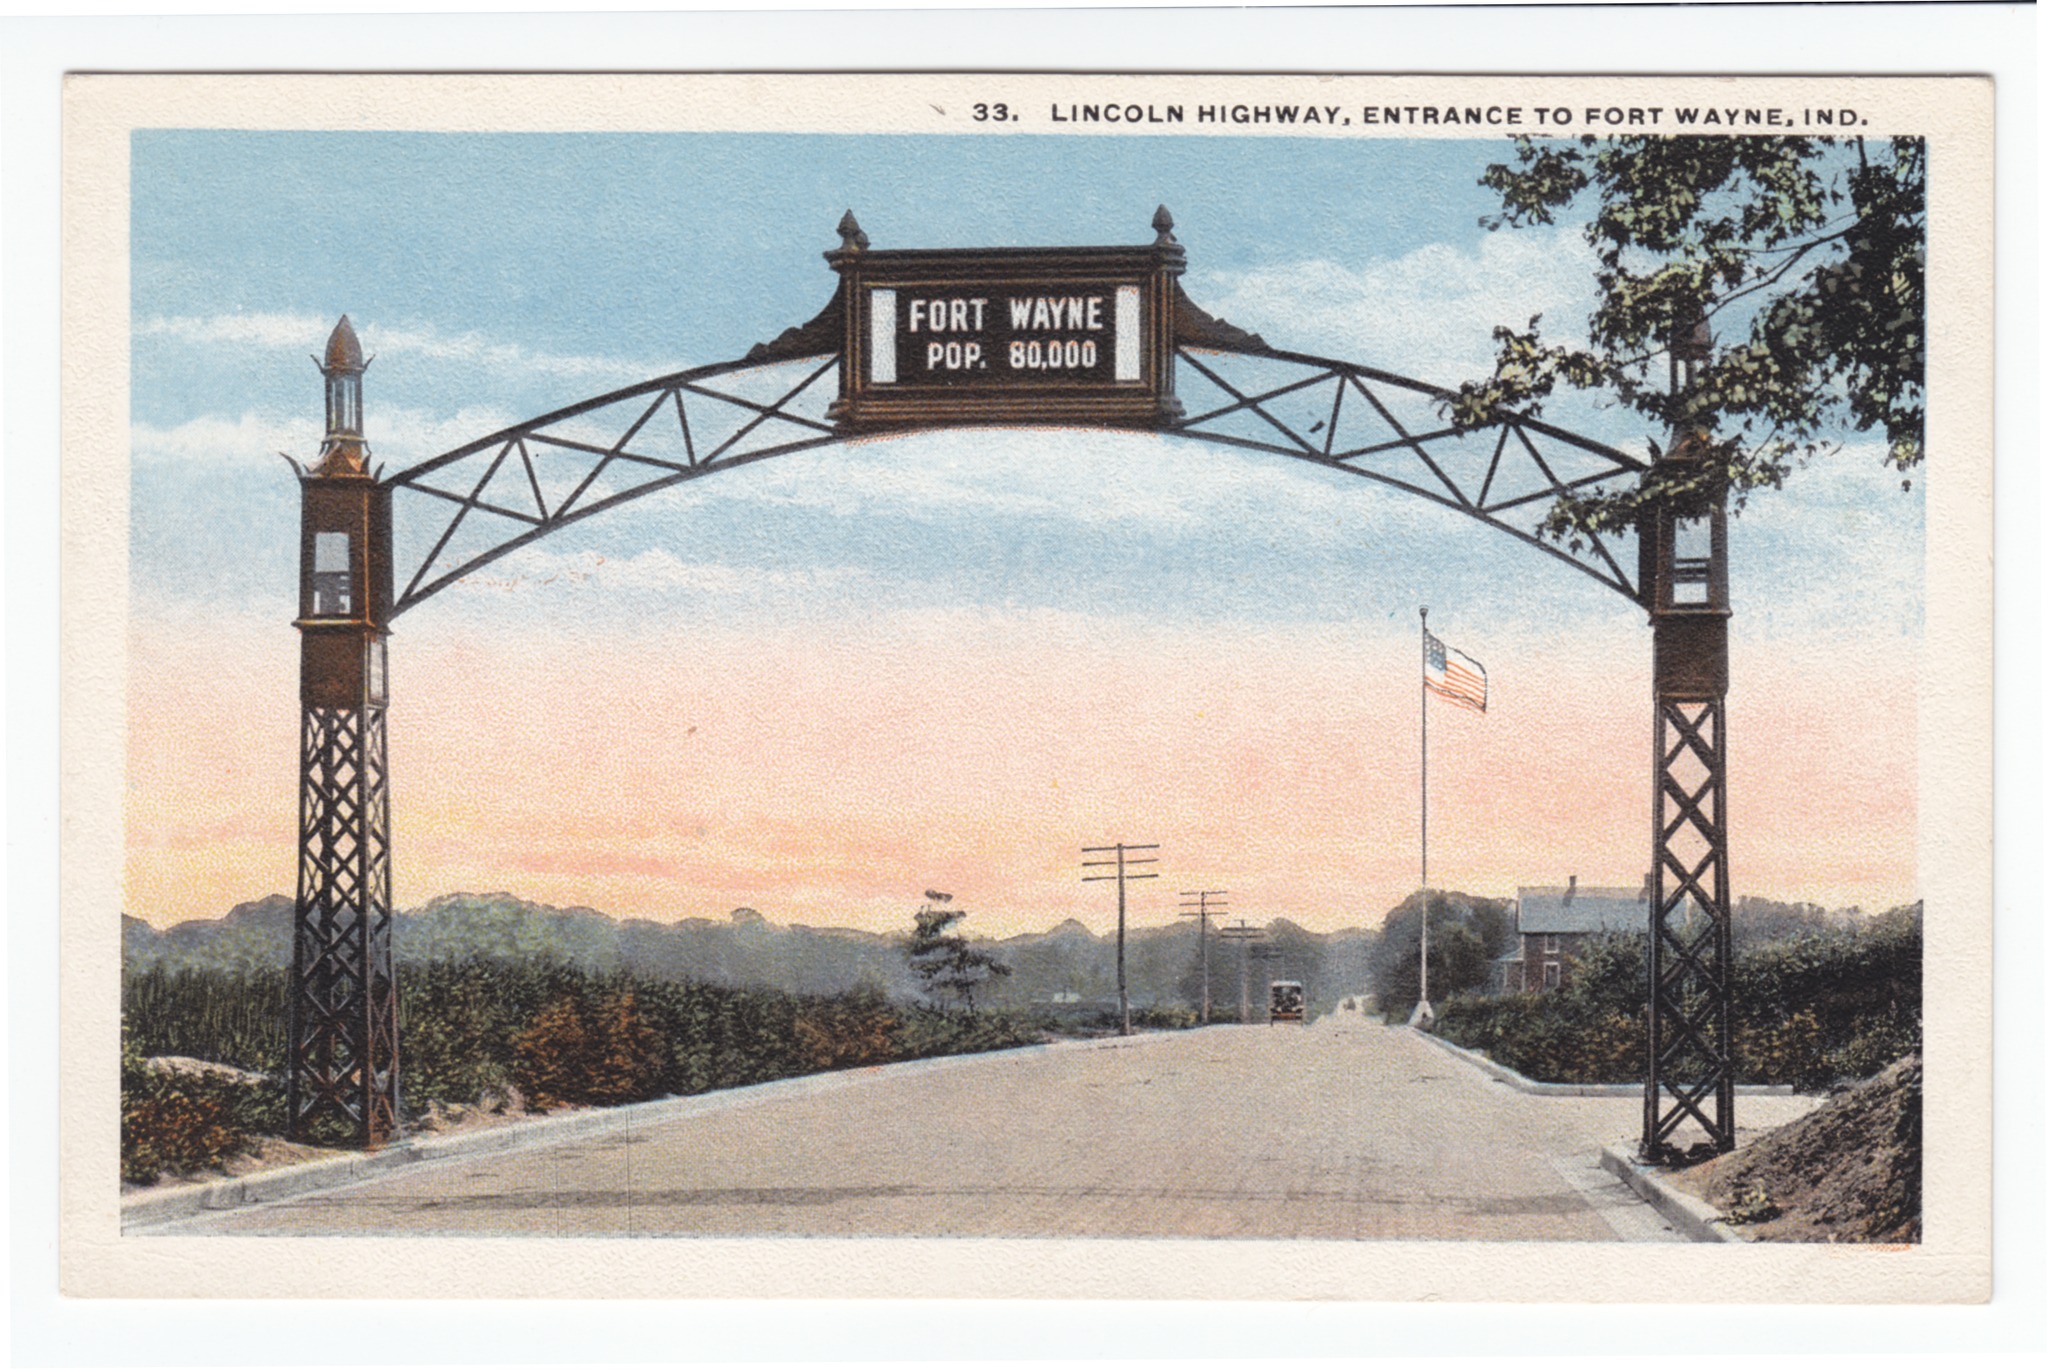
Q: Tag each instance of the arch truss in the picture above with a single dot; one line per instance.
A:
(376, 546)
(491, 497)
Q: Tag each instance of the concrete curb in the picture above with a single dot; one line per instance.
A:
(315, 1176)
(1697, 1220)
(1525, 1084)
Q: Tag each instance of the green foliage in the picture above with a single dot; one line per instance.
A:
(948, 964)
(232, 1017)
(457, 1020)
(1752, 1205)
(569, 1036)
(590, 1049)
(1829, 1006)
(1761, 920)
(1810, 1011)
(853, 1029)
(459, 927)
(179, 1123)
(1806, 255)
(1465, 934)
(1157, 1017)
(926, 1032)
(473, 1028)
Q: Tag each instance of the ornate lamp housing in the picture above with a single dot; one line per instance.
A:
(344, 547)
(1684, 559)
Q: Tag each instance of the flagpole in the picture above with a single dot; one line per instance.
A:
(1423, 1006)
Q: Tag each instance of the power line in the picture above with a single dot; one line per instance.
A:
(1242, 935)
(1123, 862)
(1200, 909)
(1269, 953)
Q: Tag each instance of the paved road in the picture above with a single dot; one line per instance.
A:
(1350, 1131)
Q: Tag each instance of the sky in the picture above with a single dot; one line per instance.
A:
(821, 684)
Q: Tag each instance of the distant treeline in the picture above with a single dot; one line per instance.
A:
(1067, 967)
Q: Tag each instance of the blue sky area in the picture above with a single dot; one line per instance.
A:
(496, 277)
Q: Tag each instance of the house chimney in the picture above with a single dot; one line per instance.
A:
(1571, 888)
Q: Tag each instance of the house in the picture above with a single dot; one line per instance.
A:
(1505, 971)
(1554, 924)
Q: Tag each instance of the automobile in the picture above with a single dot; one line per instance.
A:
(1289, 1002)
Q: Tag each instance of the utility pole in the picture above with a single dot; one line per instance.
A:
(1200, 909)
(1124, 860)
(1242, 934)
(1266, 955)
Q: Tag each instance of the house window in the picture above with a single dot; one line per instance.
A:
(1552, 974)
(330, 574)
(1550, 943)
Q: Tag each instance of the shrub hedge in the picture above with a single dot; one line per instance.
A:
(174, 1123)
(1811, 1011)
(477, 1028)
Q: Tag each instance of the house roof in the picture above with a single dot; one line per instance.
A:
(1582, 908)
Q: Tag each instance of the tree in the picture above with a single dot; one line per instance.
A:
(1806, 255)
(603, 1052)
(551, 1057)
(945, 961)
(1465, 933)
(627, 1055)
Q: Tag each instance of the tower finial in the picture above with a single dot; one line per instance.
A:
(851, 239)
(344, 353)
(343, 452)
(1162, 223)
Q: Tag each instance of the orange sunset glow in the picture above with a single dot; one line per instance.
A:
(825, 774)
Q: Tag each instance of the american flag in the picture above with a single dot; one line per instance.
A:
(1451, 675)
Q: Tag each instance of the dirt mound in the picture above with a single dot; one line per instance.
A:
(1848, 1171)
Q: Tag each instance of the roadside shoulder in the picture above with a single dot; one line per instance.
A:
(1698, 1220)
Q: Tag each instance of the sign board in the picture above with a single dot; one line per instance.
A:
(1056, 335)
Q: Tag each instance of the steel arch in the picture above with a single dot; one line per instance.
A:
(657, 447)
(599, 453)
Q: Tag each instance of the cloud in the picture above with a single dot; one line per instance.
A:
(655, 571)
(1083, 479)
(397, 437)
(1429, 314)
(470, 348)
(219, 439)
(1840, 550)
(256, 330)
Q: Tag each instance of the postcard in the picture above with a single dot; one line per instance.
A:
(1257, 686)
